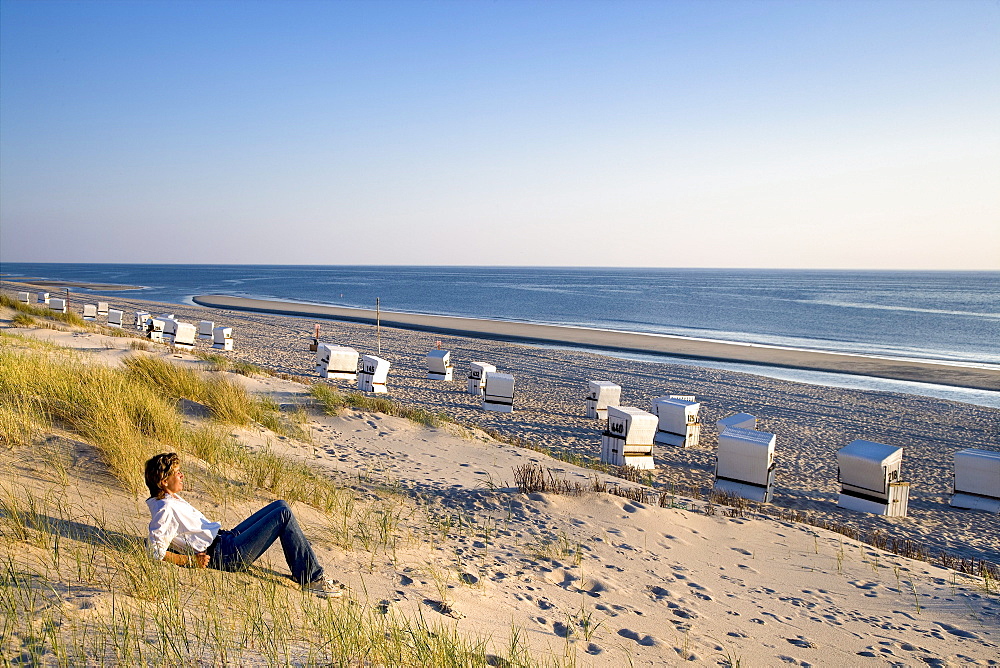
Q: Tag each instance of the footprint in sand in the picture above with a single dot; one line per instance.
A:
(802, 641)
(682, 613)
(658, 593)
(645, 641)
(443, 608)
(955, 631)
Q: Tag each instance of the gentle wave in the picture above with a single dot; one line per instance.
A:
(884, 307)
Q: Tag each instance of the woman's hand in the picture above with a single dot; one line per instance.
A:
(199, 560)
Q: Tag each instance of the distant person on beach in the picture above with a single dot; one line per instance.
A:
(199, 543)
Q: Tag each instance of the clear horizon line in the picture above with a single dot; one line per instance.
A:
(509, 266)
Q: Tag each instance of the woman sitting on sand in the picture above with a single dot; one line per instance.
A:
(203, 544)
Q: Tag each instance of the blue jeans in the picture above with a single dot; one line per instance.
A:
(239, 548)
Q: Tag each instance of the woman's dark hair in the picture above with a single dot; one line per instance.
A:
(159, 469)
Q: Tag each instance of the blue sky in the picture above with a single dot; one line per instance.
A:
(707, 134)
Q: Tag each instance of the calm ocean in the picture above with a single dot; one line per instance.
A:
(952, 316)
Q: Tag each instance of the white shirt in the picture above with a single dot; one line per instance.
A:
(177, 523)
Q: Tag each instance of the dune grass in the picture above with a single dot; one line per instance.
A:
(332, 401)
(131, 413)
(140, 612)
(228, 402)
(43, 312)
(135, 611)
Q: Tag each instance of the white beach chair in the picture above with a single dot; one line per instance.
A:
(222, 338)
(498, 392)
(744, 464)
(628, 438)
(57, 305)
(184, 335)
(102, 308)
(140, 320)
(600, 395)
(169, 329)
(90, 311)
(24, 297)
(439, 365)
(477, 377)
(115, 318)
(340, 362)
(739, 420)
(205, 328)
(869, 479)
(977, 480)
(154, 329)
(373, 374)
(678, 421)
(43, 298)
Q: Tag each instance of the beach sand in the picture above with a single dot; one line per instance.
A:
(666, 585)
(879, 367)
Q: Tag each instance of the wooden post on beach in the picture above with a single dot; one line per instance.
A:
(314, 346)
(378, 326)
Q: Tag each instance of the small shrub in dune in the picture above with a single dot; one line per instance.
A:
(217, 362)
(23, 320)
(331, 402)
(246, 368)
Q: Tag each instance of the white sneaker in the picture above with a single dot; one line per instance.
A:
(325, 588)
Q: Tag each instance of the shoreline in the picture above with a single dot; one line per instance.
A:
(878, 367)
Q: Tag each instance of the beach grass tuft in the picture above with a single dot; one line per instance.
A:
(23, 320)
(331, 401)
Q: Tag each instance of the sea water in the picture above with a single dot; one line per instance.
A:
(942, 316)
